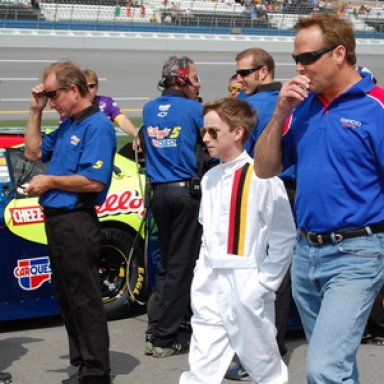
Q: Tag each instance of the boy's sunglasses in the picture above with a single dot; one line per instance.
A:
(311, 56)
(247, 72)
(232, 88)
(53, 94)
(211, 132)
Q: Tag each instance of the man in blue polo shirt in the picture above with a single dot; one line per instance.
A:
(170, 130)
(329, 123)
(80, 154)
(255, 70)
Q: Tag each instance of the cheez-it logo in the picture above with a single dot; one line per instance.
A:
(27, 215)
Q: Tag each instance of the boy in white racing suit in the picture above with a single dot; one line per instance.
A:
(248, 239)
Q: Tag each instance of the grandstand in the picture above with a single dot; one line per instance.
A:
(266, 14)
(11, 10)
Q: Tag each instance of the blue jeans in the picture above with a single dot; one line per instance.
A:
(334, 287)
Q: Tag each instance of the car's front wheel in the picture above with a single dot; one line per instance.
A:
(121, 270)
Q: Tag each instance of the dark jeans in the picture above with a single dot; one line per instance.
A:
(176, 214)
(375, 325)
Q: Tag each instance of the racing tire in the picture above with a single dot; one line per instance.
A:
(121, 271)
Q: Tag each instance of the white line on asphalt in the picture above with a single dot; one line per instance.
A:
(233, 63)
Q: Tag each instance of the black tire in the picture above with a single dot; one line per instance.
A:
(120, 265)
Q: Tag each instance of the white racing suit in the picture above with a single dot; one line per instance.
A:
(248, 240)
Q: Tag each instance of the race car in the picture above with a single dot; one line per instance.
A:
(27, 287)
(129, 251)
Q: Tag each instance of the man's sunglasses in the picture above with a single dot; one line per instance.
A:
(232, 88)
(247, 72)
(91, 86)
(311, 56)
(53, 94)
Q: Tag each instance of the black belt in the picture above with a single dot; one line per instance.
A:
(180, 184)
(337, 236)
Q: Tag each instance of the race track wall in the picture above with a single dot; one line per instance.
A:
(172, 42)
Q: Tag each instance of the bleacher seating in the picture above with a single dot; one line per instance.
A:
(221, 13)
(202, 18)
(18, 12)
(95, 13)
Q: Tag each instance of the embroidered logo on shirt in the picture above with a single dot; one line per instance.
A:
(75, 140)
(163, 138)
(350, 123)
(163, 110)
(98, 164)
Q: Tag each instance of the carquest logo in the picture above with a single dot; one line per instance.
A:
(32, 273)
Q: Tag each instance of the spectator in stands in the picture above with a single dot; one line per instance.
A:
(174, 12)
(153, 18)
(364, 9)
(328, 121)
(107, 104)
(117, 10)
(234, 86)
(341, 10)
(143, 10)
(129, 10)
(35, 4)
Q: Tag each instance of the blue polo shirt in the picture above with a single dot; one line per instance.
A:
(338, 150)
(84, 145)
(263, 101)
(171, 125)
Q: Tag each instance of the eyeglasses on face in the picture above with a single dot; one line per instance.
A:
(311, 56)
(91, 86)
(53, 94)
(247, 72)
(232, 88)
(211, 132)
